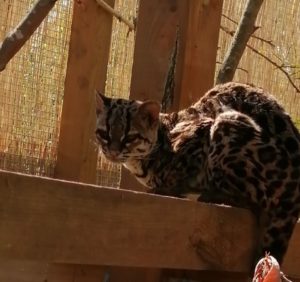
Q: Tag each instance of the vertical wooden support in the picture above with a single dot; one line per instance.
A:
(199, 30)
(199, 23)
(155, 39)
(86, 70)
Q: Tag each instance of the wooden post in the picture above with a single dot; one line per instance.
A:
(199, 23)
(155, 39)
(86, 71)
(198, 45)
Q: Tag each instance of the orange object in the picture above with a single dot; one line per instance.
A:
(267, 270)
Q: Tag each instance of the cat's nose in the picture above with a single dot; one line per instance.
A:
(115, 147)
(114, 154)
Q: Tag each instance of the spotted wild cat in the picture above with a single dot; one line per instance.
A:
(235, 146)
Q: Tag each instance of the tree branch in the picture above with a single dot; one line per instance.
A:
(115, 13)
(280, 67)
(15, 40)
(270, 42)
(244, 30)
(238, 68)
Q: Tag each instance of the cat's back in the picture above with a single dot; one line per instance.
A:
(243, 98)
(261, 106)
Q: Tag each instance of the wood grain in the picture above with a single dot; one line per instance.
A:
(199, 25)
(86, 71)
(49, 220)
(155, 39)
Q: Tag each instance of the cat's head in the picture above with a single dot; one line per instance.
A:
(126, 129)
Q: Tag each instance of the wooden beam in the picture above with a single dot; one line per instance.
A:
(51, 220)
(155, 39)
(199, 35)
(66, 222)
(23, 271)
(86, 71)
(199, 23)
(33, 271)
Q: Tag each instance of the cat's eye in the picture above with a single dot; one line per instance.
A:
(102, 135)
(131, 138)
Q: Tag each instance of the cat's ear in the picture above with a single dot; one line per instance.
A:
(101, 102)
(148, 113)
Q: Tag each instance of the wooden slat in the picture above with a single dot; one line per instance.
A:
(132, 274)
(86, 70)
(199, 26)
(56, 221)
(155, 39)
(292, 262)
(49, 220)
(210, 276)
(23, 271)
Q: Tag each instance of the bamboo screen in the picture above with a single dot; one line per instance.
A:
(31, 90)
(279, 27)
(32, 87)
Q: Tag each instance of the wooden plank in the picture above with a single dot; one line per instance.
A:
(60, 273)
(66, 222)
(86, 70)
(292, 262)
(50, 220)
(199, 26)
(155, 39)
(204, 276)
(132, 274)
(208, 276)
(23, 271)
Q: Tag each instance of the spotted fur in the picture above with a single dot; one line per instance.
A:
(235, 146)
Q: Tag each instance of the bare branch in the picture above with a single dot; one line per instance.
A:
(270, 42)
(279, 67)
(230, 19)
(15, 40)
(115, 13)
(238, 68)
(244, 30)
